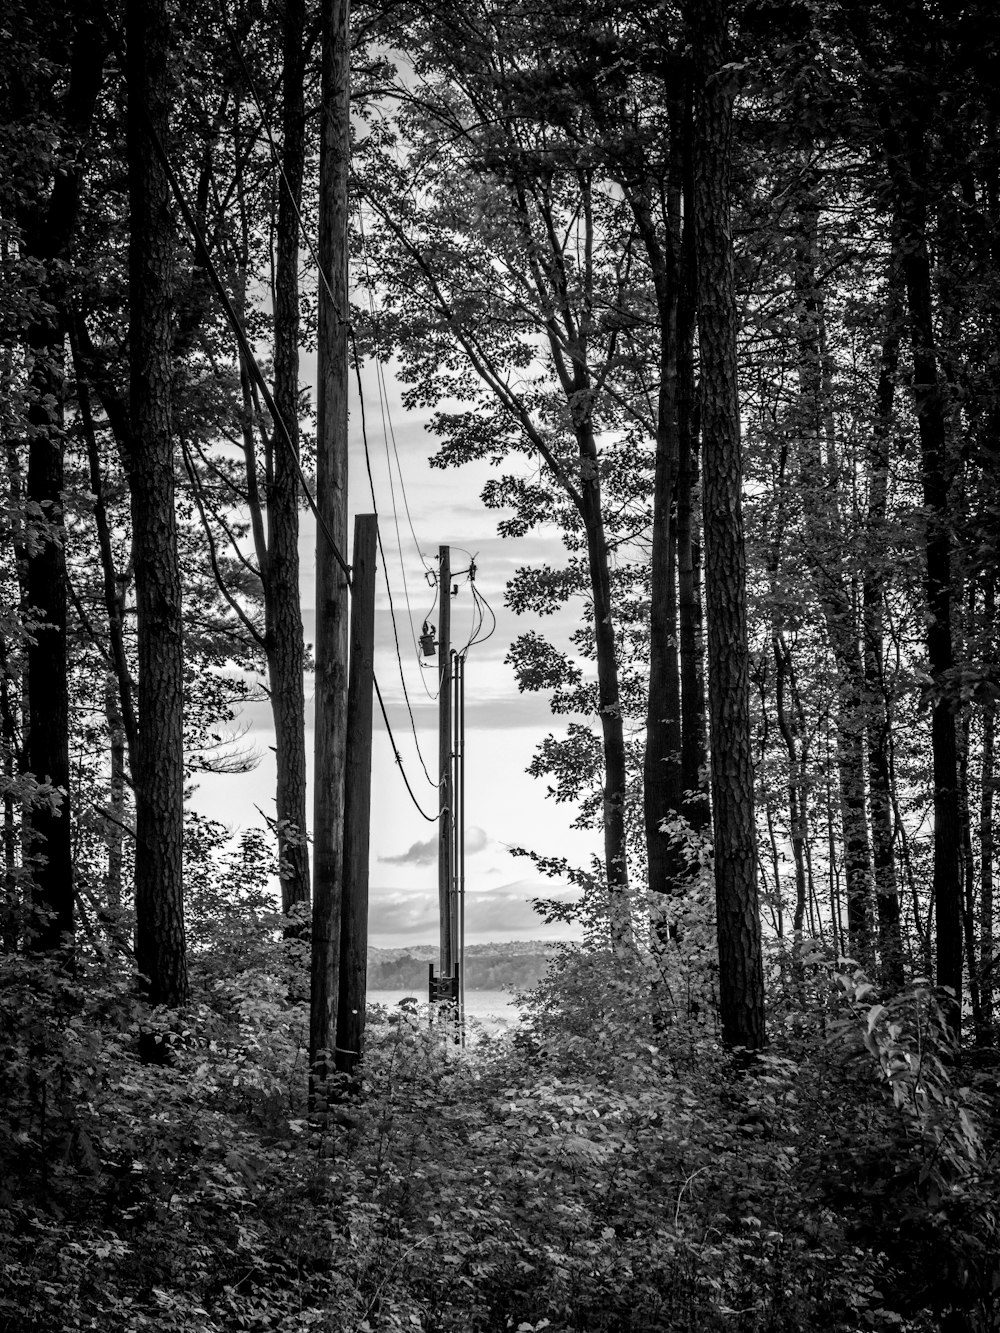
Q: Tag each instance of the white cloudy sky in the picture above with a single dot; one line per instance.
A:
(504, 806)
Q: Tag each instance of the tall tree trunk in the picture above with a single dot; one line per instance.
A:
(877, 718)
(987, 842)
(115, 830)
(331, 582)
(10, 914)
(662, 787)
(690, 637)
(797, 812)
(825, 555)
(284, 639)
(967, 867)
(49, 228)
(609, 701)
(158, 776)
(906, 154)
(114, 584)
(741, 983)
(46, 747)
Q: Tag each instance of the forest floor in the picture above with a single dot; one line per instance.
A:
(607, 1169)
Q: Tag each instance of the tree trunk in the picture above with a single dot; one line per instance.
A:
(906, 152)
(825, 555)
(741, 984)
(877, 718)
(158, 777)
(115, 830)
(609, 702)
(797, 811)
(284, 639)
(46, 747)
(693, 748)
(10, 914)
(987, 844)
(967, 869)
(691, 638)
(49, 229)
(662, 789)
(115, 584)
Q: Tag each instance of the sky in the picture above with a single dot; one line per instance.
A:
(505, 807)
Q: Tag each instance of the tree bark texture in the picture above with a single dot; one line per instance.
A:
(662, 787)
(798, 810)
(331, 582)
(741, 985)
(569, 349)
(49, 227)
(691, 636)
(284, 638)
(609, 702)
(826, 558)
(877, 713)
(987, 837)
(46, 749)
(906, 154)
(158, 778)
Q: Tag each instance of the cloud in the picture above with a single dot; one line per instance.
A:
(418, 854)
(425, 853)
(475, 840)
(501, 913)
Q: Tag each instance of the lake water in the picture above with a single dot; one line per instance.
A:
(492, 1009)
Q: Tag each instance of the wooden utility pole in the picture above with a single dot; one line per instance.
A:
(357, 798)
(331, 538)
(446, 803)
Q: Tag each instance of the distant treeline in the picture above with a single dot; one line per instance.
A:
(388, 970)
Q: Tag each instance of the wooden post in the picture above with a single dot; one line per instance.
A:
(357, 798)
(446, 803)
(331, 581)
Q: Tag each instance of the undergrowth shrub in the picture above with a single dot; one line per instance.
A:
(606, 1169)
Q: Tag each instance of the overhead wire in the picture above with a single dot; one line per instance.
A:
(383, 398)
(478, 596)
(387, 432)
(431, 819)
(385, 573)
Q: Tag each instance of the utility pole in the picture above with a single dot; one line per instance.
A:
(331, 541)
(458, 840)
(445, 796)
(357, 798)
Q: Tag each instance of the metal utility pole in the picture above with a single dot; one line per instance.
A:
(458, 821)
(331, 539)
(449, 986)
(357, 798)
(445, 797)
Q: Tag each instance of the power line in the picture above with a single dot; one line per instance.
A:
(478, 596)
(383, 398)
(385, 572)
(387, 432)
(431, 819)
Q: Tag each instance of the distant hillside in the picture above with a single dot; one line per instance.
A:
(517, 965)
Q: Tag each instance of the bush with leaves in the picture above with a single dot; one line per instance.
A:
(607, 1168)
